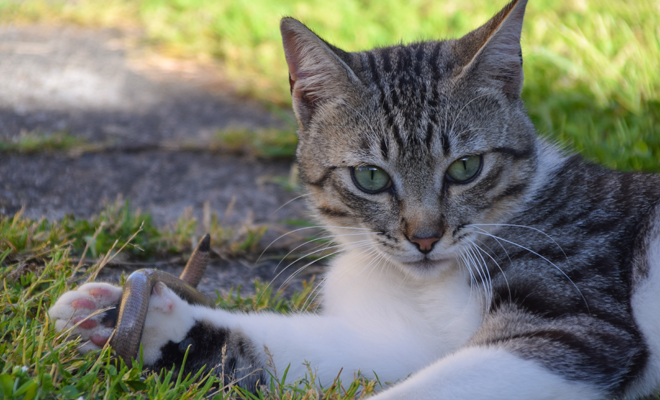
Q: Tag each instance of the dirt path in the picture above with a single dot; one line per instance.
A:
(91, 85)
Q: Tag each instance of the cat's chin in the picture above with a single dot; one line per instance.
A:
(427, 267)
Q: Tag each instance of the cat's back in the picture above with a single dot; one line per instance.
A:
(590, 250)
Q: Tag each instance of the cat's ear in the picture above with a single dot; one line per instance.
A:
(317, 73)
(493, 51)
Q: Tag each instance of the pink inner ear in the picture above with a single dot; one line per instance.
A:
(292, 51)
(294, 59)
(316, 70)
(494, 48)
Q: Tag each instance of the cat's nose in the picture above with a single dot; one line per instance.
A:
(425, 245)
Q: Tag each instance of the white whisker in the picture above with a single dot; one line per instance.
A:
(491, 257)
(484, 273)
(354, 245)
(483, 232)
(526, 227)
(290, 201)
(451, 130)
(309, 227)
(325, 247)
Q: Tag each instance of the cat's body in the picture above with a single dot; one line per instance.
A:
(476, 257)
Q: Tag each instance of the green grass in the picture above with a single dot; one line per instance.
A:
(111, 230)
(265, 144)
(40, 260)
(590, 66)
(33, 142)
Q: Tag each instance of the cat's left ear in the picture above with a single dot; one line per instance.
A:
(318, 72)
(492, 52)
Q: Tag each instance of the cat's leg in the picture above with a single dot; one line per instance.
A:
(489, 373)
(250, 347)
(172, 328)
(240, 345)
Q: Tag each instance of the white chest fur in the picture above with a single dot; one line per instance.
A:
(432, 317)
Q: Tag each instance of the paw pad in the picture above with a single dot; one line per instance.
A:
(76, 308)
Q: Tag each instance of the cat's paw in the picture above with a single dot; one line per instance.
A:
(77, 309)
(169, 319)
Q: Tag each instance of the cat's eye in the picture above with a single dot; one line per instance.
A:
(371, 179)
(465, 169)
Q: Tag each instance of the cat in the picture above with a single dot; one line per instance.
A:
(479, 261)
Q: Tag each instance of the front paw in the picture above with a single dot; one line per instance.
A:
(169, 319)
(80, 309)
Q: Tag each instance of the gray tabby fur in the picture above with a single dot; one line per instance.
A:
(563, 242)
(537, 279)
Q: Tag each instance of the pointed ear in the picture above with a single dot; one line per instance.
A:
(317, 72)
(493, 50)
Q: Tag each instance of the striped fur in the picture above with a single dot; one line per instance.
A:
(536, 278)
(559, 269)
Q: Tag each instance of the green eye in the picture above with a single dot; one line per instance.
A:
(464, 169)
(370, 179)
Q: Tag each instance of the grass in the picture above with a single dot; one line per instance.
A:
(112, 228)
(264, 144)
(40, 260)
(34, 142)
(590, 65)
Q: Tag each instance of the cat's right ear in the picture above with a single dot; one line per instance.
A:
(492, 52)
(316, 73)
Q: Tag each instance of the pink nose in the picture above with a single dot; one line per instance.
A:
(425, 245)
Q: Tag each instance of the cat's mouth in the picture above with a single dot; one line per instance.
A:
(426, 264)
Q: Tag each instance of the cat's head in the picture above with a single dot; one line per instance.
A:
(406, 146)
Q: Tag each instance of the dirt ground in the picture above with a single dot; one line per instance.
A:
(94, 85)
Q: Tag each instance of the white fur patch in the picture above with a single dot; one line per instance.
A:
(487, 373)
(77, 305)
(645, 303)
(168, 319)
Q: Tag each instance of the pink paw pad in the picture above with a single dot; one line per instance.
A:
(100, 292)
(88, 324)
(99, 340)
(83, 303)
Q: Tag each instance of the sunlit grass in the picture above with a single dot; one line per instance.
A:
(590, 65)
(264, 143)
(37, 362)
(24, 239)
(40, 260)
(32, 142)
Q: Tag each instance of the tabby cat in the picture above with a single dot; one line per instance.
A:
(479, 261)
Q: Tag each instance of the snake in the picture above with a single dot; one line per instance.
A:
(136, 293)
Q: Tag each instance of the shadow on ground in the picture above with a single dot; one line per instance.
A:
(94, 86)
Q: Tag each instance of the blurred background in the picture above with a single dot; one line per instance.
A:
(181, 109)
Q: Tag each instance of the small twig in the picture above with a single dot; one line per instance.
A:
(228, 210)
(82, 258)
(176, 260)
(109, 258)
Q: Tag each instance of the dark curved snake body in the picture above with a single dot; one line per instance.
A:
(137, 291)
